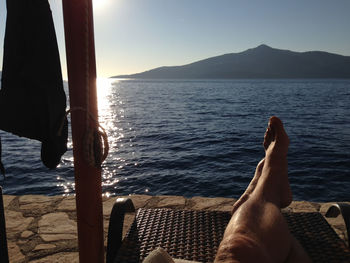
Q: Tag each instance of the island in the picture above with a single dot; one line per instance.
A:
(255, 63)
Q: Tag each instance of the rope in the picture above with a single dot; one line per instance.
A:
(96, 146)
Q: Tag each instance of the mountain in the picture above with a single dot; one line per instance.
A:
(260, 62)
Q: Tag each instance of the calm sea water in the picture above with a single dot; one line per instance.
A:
(203, 138)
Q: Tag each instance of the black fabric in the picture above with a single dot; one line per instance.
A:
(32, 98)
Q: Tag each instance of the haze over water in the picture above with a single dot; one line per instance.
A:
(203, 138)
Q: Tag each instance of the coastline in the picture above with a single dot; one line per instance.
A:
(43, 228)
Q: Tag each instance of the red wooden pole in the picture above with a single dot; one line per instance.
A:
(81, 65)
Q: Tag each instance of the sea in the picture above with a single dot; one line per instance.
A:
(202, 138)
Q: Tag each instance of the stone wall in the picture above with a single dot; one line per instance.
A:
(43, 229)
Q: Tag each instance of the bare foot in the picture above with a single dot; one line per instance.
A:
(276, 144)
(276, 139)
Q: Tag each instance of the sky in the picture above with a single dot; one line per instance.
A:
(136, 35)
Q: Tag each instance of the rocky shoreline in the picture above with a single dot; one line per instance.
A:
(43, 228)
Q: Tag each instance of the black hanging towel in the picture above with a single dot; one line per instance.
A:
(32, 98)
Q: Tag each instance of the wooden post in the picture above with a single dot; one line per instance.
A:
(81, 65)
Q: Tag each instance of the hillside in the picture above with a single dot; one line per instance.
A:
(260, 62)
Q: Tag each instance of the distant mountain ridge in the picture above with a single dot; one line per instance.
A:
(260, 62)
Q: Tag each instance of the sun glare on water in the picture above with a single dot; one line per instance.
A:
(104, 86)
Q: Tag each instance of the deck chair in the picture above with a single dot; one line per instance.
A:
(4, 258)
(196, 235)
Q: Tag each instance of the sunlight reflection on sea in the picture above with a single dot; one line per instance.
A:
(110, 110)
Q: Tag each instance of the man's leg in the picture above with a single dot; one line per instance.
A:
(257, 231)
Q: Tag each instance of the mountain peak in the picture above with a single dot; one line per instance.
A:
(263, 46)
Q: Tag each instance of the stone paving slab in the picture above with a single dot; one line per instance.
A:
(43, 229)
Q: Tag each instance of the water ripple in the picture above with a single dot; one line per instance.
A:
(203, 138)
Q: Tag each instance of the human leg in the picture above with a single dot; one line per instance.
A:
(257, 231)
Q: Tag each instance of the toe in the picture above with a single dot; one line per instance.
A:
(278, 132)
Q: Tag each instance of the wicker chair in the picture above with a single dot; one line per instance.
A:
(196, 235)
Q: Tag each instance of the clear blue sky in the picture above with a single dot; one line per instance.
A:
(136, 35)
